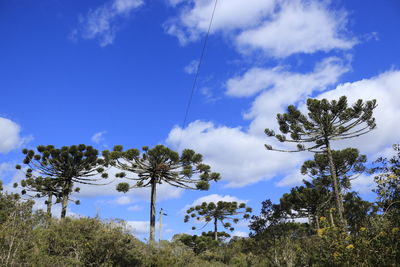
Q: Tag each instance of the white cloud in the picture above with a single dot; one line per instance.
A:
(141, 229)
(195, 17)
(239, 154)
(363, 184)
(98, 138)
(191, 68)
(101, 23)
(277, 27)
(240, 157)
(299, 27)
(135, 208)
(240, 234)
(10, 137)
(124, 200)
(385, 88)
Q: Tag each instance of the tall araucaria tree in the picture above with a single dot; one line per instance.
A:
(221, 212)
(56, 171)
(158, 165)
(325, 122)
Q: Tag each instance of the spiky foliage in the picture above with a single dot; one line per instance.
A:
(311, 200)
(388, 184)
(160, 165)
(55, 171)
(326, 121)
(349, 164)
(222, 212)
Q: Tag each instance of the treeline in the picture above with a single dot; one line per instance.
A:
(320, 223)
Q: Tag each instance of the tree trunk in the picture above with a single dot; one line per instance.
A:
(152, 211)
(64, 204)
(49, 204)
(336, 186)
(316, 221)
(215, 229)
(331, 218)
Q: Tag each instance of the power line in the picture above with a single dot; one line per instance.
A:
(198, 69)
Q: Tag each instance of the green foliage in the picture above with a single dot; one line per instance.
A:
(388, 185)
(53, 172)
(160, 165)
(326, 121)
(222, 212)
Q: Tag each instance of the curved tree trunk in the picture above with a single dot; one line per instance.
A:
(152, 211)
(336, 187)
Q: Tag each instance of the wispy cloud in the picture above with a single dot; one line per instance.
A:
(191, 68)
(98, 138)
(101, 23)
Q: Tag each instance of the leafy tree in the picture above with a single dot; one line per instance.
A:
(316, 196)
(160, 165)
(388, 183)
(40, 187)
(326, 121)
(221, 212)
(55, 171)
(310, 200)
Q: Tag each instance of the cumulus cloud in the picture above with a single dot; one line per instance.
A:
(278, 28)
(101, 23)
(299, 27)
(10, 137)
(194, 17)
(240, 157)
(239, 154)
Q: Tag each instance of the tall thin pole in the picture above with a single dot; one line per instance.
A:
(160, 226)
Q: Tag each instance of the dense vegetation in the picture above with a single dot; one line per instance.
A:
(320, 223)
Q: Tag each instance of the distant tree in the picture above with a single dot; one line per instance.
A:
(39, 187)
(310, 200)
(387, 181)
(55, 171)
(221, 212)
(160, 165)
(326, 121)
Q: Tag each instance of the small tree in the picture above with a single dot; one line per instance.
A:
(220, 212)
(55, 171)
(388, 184)
(160, 165)
(326, 121)
(39, 187)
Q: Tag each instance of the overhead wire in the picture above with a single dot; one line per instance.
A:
(198, 70)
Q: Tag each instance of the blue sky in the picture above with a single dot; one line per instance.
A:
(120, 72)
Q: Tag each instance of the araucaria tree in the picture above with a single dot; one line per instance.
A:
(222, 212)
(326, 121)
(55, 171)
(160, 165)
